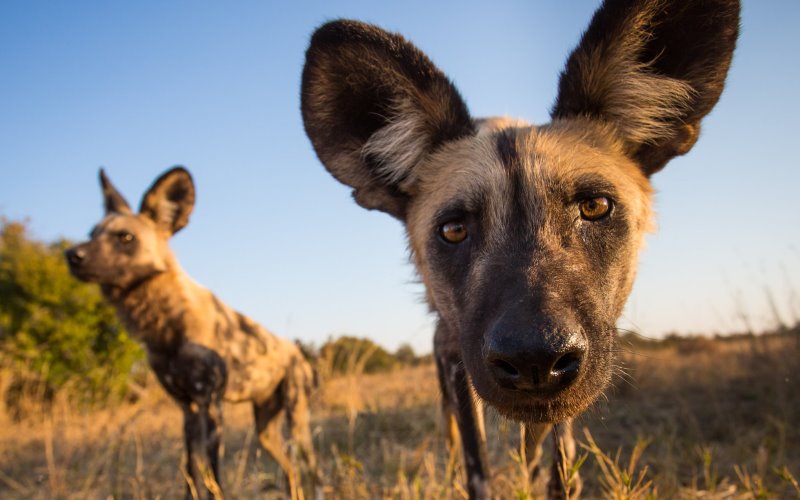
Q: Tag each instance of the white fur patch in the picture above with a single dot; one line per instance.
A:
(401, 144)
(167, 212)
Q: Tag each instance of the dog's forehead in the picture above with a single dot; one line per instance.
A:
(558, 159)
(570, 155)
(116, 222)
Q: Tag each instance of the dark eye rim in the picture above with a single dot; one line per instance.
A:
(125, 237)
(605, 215)
(440, 231)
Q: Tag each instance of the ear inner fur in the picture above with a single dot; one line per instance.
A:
(654, 69)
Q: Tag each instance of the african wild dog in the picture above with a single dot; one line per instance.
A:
(526, 237)
(200, 349)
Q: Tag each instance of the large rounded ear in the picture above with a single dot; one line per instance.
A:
(113, 202)
(654, 69)
(374, 106)
(170, 200)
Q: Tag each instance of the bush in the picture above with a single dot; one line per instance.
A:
(54, 330)
(350, 354)
(405, 355)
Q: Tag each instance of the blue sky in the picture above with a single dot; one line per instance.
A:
(138, 87)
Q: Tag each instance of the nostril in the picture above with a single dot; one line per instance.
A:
(75, 256)
(505, 368)
(570, 361)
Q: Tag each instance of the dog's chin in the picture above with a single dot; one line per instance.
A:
(533, 411)
(526, 407)
(522, 407)
(83, 275)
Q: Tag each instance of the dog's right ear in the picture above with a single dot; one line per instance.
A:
(374, 106)
(170, 200)
(112, 200)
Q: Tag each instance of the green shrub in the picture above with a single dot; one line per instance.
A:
(56, 332)
(348, 354)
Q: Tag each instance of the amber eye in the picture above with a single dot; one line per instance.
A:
(453, 232)
(125, 237)
(595, 208)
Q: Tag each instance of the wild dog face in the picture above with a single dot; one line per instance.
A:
(127, 248)
(526, 237)
(529, 251)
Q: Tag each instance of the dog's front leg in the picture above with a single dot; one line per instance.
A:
(214, 440)
(195, 425)
(202, 427)
(458, 402)
(533, 435)
(564, 481)
(195, 377)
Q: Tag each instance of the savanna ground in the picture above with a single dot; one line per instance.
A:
(686, 418)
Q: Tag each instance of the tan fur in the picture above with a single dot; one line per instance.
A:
(257, 360)
(526, 237)
(200, 348)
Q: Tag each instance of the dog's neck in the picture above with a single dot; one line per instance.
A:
(118, 294)
(153, 309)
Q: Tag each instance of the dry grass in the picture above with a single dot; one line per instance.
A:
(697, 419)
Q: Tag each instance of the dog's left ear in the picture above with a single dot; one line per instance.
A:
(653, 69)
(170, 200)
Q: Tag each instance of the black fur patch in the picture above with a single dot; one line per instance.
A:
(193, 374)
(371, 67)
(113, 201)
(506, 141)
(453, 260)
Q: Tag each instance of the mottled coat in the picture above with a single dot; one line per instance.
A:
(526, 237)
(201, 350)
(170, 308)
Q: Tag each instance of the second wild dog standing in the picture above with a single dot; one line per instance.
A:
(200, 349)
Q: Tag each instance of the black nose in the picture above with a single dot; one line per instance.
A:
(535, 364)
(75, 255)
